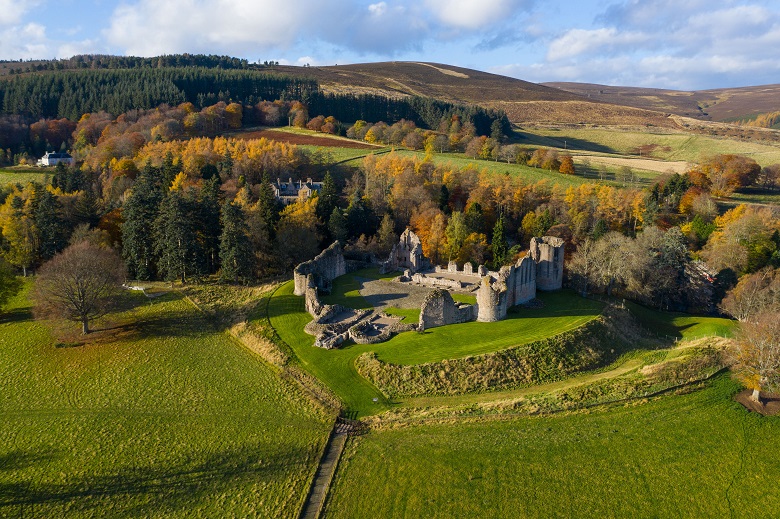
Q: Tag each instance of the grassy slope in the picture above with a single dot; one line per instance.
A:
(168, 418)
(683, 146)
(685, 326)
(562, 312)
(695, 455)
(23, 175)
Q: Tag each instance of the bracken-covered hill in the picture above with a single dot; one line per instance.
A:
(523, 101)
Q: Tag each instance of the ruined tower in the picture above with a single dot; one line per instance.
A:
(547, 252)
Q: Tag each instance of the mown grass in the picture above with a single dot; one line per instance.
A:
(562, 311)
(693, 455)
(684, 326)
(23, 175)
(158, 414)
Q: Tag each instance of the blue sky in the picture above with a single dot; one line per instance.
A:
(681, 44)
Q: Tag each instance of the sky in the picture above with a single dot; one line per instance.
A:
(675, 44)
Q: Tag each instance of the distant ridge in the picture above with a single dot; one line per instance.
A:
(721, 104)
(524, 102)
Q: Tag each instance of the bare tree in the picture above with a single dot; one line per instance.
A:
(754, 294)
(757, 353)
(79, 284)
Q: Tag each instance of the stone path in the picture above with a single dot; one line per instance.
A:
(312, 508)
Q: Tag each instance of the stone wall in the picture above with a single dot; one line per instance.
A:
(548, 252)
(439, 309)
(436, 282)
(521, 282)
(327, 266)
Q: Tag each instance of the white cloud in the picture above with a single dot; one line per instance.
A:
(473, 14)
(24, 42)
(151, 27)
(581, 41)
(12, 11)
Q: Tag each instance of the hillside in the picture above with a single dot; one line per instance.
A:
(523, 101)
(724, 104)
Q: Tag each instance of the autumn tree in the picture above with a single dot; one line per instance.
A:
(754, 294)
(386, 235)
(584, 266)
(80, 284)
(296, 233)
(567, 165)
(757, 353)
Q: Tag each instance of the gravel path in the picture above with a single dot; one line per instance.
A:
(382, 294)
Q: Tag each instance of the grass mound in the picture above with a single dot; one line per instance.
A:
(336, 368)
(594, 344)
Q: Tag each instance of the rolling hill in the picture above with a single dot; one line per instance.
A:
(724, 104)
(523, 101)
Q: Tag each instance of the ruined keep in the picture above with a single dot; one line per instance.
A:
(547, 252)
(439, 309)
(327, 266)
(407, 254)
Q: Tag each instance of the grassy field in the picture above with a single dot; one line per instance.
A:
(22, 176)
(158, 415)
(684, 326)
(670, 146)
(694, 455)
(562, 311)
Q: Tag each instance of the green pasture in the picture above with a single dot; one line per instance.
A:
(22, 176)
(684, 326)
(562, 311)
(693, 455)
(158, 414)
(327, 155)
(681, 146)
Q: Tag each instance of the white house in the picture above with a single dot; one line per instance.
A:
(52, 159)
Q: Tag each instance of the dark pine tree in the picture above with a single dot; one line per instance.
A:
(208, 223)
(235, 248)
(499, 246)
(328, 198)
(267, 205)
(140, 212)
(181, 256)
(47, 215)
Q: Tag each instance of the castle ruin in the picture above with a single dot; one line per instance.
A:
(327, 266)
(540, 269)
(407, 254)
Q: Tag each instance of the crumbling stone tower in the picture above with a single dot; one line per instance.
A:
(547, 252)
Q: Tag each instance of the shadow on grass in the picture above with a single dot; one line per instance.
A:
(564, 141)
(16, 315)
(19, 459)
(155, 489)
